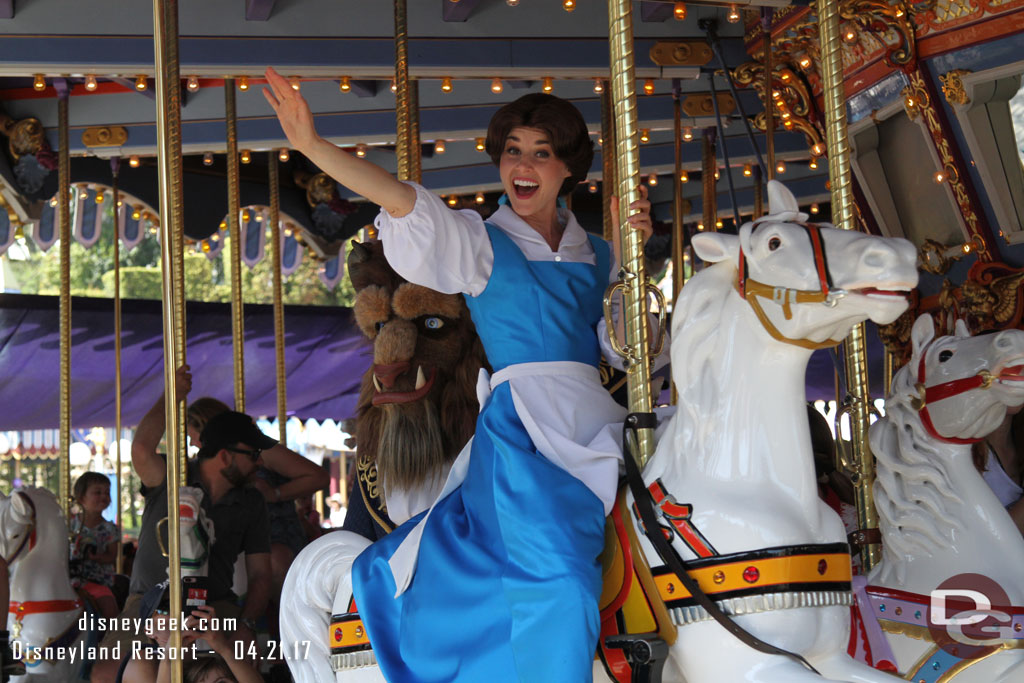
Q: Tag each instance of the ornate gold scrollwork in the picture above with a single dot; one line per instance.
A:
(794, 98)
(878, 18)
(953, 86)
(24, 137)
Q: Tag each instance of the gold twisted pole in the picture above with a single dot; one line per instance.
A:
(633, 273)
(608, 170)
(275, 254)
(415, 158)
(64, 216)
(402, 94)
(843, 217)
(115, 167)
(235, 231)
(769, 101)
(708, 167)
(168, 120)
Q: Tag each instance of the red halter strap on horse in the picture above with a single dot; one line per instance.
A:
(23, 609)
(750, 290)
(931, 394)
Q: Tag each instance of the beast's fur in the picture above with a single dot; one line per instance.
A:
(412, 441)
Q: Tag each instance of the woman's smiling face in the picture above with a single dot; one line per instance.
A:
(530, 172)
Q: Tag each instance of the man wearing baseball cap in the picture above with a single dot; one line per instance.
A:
(231, 450)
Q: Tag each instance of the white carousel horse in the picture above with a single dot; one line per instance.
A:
(738, 450)
(938, 517)
(44, 610)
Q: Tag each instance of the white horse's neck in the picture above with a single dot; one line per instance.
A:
(42, 572)
(976, 535)
(747, 409)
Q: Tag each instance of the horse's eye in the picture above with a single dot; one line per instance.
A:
(945, 355)
(774, 243)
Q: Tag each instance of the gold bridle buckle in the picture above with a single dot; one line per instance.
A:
(987, 378)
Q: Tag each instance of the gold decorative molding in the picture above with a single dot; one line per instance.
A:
(792, 98)
(681, 53)
(878, 18)
(914, 100)
(24, 137)
(953, 86)
(105, 136)
(701, 105)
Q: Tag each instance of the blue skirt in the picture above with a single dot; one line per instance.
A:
(507, 582)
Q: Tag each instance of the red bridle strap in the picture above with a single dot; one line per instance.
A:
(23, 609)
(930, 394)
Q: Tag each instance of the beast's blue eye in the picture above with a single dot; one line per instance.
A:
(378, 326)
(433, 323)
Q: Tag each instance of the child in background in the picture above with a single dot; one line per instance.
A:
(94, 548)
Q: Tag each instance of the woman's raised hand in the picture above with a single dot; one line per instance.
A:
(292, 111)
(641, 220)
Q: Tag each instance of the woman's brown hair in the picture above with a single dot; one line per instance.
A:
(559, 119)
(202, 409)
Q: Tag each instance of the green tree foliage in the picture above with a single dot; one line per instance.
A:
(92, 274)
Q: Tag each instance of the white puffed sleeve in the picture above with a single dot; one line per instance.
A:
(614, 359)
(437, 247)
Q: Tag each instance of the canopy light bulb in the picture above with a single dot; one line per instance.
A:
(748, 170)
(453, 200)
(208, 159)
(133, 161)
(246, 216)
(684, 177)
(547, 84)
(439, 147)
(192, 84)
(645, 134)
(246, 156)
(818, 149)
(361, 150)
(805, 62)
(733, 16)
(780, 167)
(53, 203)
(288, 231)
(446, 84)
(141, 83)
(295, 82)
(687, 134)
(652, 179)
(136, 213)
(787, 124)
(90, 82)
(259, 216)
(598, 85)
(592, 187)
(39, 83)
(850, 36)
(480, 198)
(100, 197)
(568, 5)
(718, 174)
(679, 11)
(283, 154)
(394, 85)
(813, 165)
(939, 176)
(481, 144)
(814, 208)
(649, 86)
(700, 226)
(223, 225)
(345, 85)
(512, 3)
(243, 83)
(496, 86)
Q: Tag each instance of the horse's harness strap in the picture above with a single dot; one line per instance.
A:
(864, 537)
(654, 533)
(23, 609)
(927, 395)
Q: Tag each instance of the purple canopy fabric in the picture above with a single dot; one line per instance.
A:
(325, 358)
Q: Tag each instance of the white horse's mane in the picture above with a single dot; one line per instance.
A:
(696, 325)
(913, 491)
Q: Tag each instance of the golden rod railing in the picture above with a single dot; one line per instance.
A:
(235, 231)
(64, 227)
(843, 217)
(608, 166)
(168, 120)
(275, 254)
(115, 164)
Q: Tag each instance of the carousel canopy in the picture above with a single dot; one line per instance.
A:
(325, 358)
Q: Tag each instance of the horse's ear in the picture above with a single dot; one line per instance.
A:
(960, 328)
(922, 332)
(21, 505)
(716, 246)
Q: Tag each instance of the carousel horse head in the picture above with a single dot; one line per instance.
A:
(417, 406)
(810, 283)
(961, 385)
(17, 526)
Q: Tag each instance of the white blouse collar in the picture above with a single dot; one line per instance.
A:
(509, 221)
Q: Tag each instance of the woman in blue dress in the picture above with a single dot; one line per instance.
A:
(498, 580)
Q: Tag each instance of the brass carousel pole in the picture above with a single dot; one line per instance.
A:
(888, 370)
(608, 166)
(115, 165)
(843, 217)
(168, 120)
(678, 262)
(403, 97)
(709, 164)
(769, 101)
(235, 231)
(635, 351)
(415, 158)
(275, 255)
(64, 215)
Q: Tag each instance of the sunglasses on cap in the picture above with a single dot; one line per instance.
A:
(254, 454)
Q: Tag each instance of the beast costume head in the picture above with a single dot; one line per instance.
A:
(417, 405)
